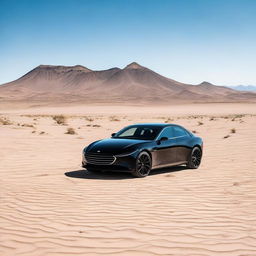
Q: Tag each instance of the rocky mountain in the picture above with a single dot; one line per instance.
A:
(134, 83)
(248, 88)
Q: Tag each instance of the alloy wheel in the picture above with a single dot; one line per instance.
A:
(196, 157)
(143, 165)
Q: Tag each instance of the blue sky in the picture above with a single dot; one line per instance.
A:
(187, 40)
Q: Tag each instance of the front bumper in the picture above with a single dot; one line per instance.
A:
(122, 163)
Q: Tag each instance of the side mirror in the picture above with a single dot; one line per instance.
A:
(163, 139)
(113, 134)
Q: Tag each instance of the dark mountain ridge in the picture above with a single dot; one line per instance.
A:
(133, 83)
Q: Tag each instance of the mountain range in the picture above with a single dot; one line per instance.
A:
(249, 88)
(134, 83)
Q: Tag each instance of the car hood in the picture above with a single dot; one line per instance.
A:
(113, 146)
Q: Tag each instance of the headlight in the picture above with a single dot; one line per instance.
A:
(127, 154)
(83, 153)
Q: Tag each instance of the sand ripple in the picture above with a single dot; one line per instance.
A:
(206, 212)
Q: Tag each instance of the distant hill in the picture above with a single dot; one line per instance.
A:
(249, 88)
(134, 83)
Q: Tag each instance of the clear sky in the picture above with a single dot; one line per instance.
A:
(187, 40)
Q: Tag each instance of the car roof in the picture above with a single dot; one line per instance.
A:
(155, 124)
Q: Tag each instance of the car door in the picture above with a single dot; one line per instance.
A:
(183, 148)
(164, 152)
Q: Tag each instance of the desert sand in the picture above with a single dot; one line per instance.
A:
(51, 206)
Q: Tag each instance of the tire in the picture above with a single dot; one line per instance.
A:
(195, 158)
(143, 165)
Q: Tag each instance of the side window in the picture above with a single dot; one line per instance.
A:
(167, 132)
(178, 131)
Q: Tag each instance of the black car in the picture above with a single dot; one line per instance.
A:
(141, 147)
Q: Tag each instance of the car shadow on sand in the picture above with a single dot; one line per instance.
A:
(84, 174)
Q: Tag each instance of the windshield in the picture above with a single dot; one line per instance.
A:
(139, 132)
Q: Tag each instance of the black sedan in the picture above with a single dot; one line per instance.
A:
(141, 147)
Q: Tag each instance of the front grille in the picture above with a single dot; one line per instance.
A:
(99, 159)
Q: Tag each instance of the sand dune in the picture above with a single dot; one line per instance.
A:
(50, 206)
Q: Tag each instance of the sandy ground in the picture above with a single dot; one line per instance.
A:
(50, 206)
